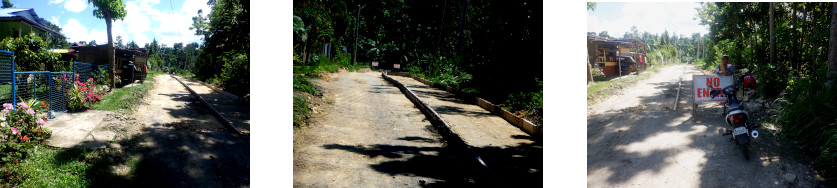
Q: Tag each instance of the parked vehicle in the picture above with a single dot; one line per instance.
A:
(628, 64)
(737, 118)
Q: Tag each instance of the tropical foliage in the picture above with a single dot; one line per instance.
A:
(799, 67)
(32, 54)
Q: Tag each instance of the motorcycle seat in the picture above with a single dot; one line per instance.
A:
(733, 107)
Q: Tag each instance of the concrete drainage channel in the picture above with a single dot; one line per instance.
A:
(442, 127)
(217, 114)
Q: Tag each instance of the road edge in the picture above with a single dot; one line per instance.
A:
(217, 114)
(441, 125)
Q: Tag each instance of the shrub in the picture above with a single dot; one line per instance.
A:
(21, 130)
(83, 95)
(32, 54)
(809, 118)
(235, 75)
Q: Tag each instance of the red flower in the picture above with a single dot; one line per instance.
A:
(26, 138)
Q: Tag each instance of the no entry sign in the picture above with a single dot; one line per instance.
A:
(703, 84)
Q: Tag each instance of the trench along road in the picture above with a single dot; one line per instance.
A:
(371, 135)
(636, 139)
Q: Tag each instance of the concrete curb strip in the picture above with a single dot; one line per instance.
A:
(217, 114)
(444, 128)
(245, 102)
(525, 125)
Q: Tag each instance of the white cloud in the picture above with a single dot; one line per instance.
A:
(75, 31)
(142, 21)
(174, 26)
(136, 20)
(651, 17)
(74, 5)
(55, 1)
(55, 21)
(141, 39)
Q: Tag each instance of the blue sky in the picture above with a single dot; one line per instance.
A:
(617, 18)
(167, 21)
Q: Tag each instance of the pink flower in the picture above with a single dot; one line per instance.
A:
(41, 122)
(23, 105)
(30, 112)
(14, 131)
(8, 106)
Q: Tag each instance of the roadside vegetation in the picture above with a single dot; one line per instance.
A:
(799, 75)
(127, 97)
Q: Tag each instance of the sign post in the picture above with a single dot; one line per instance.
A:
(702, 85)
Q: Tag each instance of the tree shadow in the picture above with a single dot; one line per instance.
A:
(450, 165)
(167, 157)
(609, 135)
(453, 110)
(195, 152)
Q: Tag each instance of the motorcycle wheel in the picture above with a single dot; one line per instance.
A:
(746, 151)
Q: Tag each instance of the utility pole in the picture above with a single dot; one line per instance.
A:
(357, 26)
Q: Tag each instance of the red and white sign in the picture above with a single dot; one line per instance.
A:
(703, 84)
(374, 63)
(396, 66)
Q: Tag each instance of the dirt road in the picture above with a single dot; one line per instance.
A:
(370, 135)
(180, 145)
(636, 140)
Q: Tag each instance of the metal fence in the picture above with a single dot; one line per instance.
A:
(59, 84)
(86, 70)
(42, 86)
(7, 67)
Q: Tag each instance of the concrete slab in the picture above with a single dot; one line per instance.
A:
(70, 129)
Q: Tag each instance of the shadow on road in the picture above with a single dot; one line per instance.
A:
(442, 162)
(195, 152)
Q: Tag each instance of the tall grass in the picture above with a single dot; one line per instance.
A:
(809, 118)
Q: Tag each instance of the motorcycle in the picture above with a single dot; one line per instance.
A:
(737, 118)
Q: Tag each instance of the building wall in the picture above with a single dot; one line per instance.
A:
(18, 28)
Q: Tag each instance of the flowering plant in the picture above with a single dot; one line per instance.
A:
(21, 130)
(83, 95)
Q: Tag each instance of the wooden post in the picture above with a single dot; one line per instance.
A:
(694, 110)
(619, 62)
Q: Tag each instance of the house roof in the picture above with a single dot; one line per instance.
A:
(27, 14)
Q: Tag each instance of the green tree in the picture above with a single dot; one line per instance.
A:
(119, 42)
(132, 44)
(92, 43)
(226, 46)
(591, 6)
(7, 4)
(109, 10)
(32, 54)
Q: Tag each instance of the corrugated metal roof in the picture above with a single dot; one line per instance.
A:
(27, 13)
